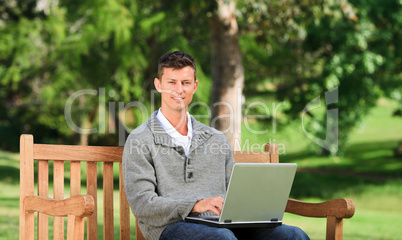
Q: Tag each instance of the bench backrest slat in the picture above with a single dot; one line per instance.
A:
(75, 178)
(92, 187)
(43, 191)
(75, 188)
(58, 194)
(124, 208)
(108, 223)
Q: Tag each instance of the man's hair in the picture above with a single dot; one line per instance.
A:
(176, 60)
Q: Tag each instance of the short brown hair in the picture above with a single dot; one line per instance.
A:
(176, 60)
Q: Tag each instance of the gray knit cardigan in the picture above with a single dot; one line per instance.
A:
(162, 184)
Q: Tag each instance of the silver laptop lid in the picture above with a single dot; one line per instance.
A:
(258, 192)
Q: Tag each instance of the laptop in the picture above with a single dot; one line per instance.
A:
(256, 197)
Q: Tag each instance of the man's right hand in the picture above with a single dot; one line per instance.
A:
(213, 205)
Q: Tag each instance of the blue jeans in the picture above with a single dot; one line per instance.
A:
(192, 231)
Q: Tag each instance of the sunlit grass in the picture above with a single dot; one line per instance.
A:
(9, 210)
(377, 215)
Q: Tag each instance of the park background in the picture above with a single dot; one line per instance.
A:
(291, 53)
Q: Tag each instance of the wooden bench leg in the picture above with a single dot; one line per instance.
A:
(334, 228)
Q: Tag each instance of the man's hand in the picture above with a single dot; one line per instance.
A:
(214, 205)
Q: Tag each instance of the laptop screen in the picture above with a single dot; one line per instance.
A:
(258, 192)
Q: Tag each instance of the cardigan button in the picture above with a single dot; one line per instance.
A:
(190, 175)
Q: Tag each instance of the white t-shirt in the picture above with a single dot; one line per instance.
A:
(177, 138)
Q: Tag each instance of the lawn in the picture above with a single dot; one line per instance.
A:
(367, 172)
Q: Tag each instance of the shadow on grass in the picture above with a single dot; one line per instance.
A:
(9, 174)
(363, 159)
(312, 185)
(363, 167)
(9, 168)
(10, 202)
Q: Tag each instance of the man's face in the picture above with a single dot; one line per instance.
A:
(177, 87)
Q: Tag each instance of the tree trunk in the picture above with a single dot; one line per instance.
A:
(227, 73)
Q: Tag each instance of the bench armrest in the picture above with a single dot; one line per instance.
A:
(79, 205)
(340, 208)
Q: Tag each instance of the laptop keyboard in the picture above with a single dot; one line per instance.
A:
(206, 215)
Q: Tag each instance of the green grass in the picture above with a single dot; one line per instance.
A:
(9, 211)
(368, 173)
(378, 208)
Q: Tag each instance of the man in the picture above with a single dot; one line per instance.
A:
(174, 165)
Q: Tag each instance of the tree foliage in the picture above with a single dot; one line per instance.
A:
(312, 47)
(49, 52)
(301, 49)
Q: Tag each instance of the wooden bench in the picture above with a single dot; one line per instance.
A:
(77, 206)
